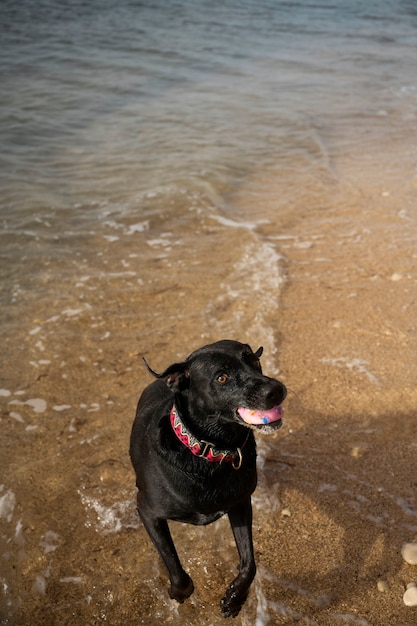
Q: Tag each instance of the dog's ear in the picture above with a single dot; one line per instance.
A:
(258, 353)
(176, 375)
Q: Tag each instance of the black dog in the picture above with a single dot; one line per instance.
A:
(194, 453)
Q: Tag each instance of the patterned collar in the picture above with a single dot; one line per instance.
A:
(204, 449)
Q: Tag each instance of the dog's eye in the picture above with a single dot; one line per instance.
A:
(222, 379)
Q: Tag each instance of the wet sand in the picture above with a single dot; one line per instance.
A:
(348, 328)
(337, 485)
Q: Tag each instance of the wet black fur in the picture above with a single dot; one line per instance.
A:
(174, 484)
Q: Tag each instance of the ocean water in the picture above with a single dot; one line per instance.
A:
(137, 128)
(130, 109)
(152, 155)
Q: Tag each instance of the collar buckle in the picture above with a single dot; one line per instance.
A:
(205, 449)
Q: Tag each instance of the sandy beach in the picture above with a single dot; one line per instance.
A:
(337, 485)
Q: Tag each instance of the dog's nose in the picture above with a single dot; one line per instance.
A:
(276, 394)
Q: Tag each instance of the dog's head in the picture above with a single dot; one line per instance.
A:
(225, 379)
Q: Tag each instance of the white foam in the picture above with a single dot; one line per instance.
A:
(328, 487)
(39, 586)
(5, 393)
(61, 407)
(225, 221)
(113, 224)
(50, 541)
(71, 579)
(7, 504)
(89, 439)
(262, 615)
(19, 540)
(259, 277)
(72, 428)
(266, 496)
(286, 611)
(52, 319)
(16, 416)
(283, 237)
(304, 245)
(348, 618)
(38, 404)
(72, 312)
(353, 364)
(4, 590)
(159, 242)
(279, 607)
(140, 227)
(109, 518)
(126, 274)
(406, 507)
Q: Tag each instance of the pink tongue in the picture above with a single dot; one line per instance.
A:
(250, 416)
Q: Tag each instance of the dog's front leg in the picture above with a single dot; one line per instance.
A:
(241, 521)
(181, 584)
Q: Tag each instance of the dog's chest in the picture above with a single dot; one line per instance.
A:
(203, 497)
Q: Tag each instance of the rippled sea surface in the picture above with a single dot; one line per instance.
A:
(152, 155)
(147, 125)
(133, 109)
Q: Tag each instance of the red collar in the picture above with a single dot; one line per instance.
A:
(204, 449)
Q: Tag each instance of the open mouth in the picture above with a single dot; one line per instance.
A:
(263, 417)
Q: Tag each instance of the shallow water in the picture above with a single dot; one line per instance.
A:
(148, 135)
(155, 159)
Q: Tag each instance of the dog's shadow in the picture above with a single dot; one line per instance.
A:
(338, 501)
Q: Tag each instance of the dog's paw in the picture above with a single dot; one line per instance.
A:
(232, 601)
(183, 591)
